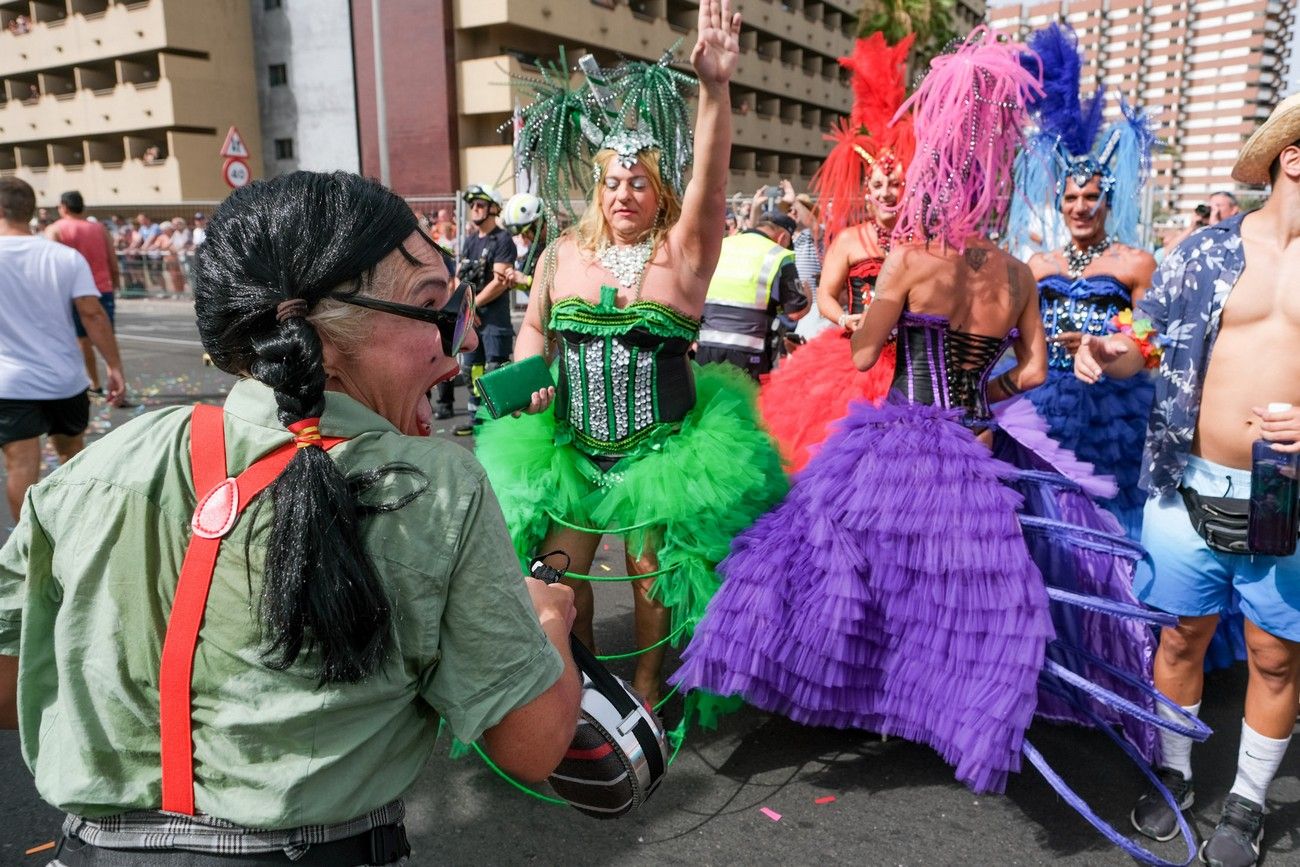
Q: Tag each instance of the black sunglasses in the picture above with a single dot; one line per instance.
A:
(453, 325)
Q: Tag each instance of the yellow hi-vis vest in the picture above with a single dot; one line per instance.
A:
(736, 310)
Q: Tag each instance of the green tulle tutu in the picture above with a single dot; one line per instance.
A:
(683, 495)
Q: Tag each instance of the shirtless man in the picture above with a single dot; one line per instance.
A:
(1230, 289)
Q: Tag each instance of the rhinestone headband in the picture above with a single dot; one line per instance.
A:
(626, 144)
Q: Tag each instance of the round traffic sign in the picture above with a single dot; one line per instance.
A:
(236, 173)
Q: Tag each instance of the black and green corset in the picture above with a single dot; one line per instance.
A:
(624, 375)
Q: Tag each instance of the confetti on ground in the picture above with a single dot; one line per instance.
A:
(603, 566)
(770, 813)
(44, 847)
(825, 800)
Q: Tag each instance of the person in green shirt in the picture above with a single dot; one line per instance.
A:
(370, 592)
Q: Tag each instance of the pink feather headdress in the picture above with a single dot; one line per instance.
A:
(970, 119)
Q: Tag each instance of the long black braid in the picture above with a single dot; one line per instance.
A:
(298, 237)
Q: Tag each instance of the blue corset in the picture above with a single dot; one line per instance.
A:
(1086, 304)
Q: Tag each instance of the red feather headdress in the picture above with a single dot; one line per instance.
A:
(866, 138)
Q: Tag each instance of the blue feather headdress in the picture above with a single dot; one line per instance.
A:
(1072, 144)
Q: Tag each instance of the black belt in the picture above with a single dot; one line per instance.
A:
(386, 844)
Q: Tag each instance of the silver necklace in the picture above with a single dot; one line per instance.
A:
(1077, 260)
(627, 264)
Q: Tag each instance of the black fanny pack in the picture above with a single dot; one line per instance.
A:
(1221, 521)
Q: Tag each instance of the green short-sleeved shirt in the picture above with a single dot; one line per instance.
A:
(86, 586)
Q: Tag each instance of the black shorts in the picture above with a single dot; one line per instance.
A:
(25, 419)
(753, 362)
(105, 301)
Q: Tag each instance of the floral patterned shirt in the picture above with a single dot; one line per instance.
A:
(1185, 303)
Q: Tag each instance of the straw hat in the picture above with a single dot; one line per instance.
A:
(1280, 130)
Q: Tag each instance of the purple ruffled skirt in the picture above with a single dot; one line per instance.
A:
(894, 590)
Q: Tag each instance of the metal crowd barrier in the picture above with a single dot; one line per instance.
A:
(155, 274)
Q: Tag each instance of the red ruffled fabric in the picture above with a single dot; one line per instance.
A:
(813, 388)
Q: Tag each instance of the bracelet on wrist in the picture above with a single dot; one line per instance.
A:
(1142, 332)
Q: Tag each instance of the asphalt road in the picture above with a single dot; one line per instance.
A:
(894, 802)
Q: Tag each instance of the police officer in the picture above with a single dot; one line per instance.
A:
(487, 256)
(755, 280)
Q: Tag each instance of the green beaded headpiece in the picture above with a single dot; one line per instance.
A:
(634, 107)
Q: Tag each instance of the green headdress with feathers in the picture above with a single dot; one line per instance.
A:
(634, 107)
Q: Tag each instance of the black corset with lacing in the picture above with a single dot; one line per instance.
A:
(941, 367)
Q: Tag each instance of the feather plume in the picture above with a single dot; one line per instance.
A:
(879, 88)
(653, 96)
(970, 114)
(878, 81)
(840, 184)
(1131, 167)
(551, 144)
(1059, 111)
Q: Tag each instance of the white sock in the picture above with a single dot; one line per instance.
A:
(1176, 749)
(1257, 762)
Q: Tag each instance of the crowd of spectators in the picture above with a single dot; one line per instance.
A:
(19, 25)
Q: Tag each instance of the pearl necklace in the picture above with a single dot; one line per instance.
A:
(1077, 260)
(627, 264)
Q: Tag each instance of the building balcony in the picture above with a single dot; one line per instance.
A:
(130, 182)
(485, 85)
(117, 109)
(766, 64)
(158, 168)
(120, 29)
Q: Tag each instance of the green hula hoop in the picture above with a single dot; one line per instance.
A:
(660, 643)
(578, 576)
(597, 531)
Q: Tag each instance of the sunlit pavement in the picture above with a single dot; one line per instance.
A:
(893, 802)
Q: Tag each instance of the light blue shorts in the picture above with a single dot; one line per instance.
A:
(1191, 579)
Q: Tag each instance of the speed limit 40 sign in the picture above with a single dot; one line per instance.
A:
(235, 172)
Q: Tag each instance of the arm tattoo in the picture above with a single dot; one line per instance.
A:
(1013, 285)
(886, 279)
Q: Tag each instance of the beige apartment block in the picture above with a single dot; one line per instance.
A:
(128, 102)
(787, 89)
(1207, 71)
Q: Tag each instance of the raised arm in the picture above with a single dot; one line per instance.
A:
(698, 234)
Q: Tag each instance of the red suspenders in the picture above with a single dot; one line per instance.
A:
(221, 499)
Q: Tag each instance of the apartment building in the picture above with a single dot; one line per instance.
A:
(1208, 72)
(448, 113)
(128, 102)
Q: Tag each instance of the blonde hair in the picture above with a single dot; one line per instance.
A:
(592, 229)
(347, 325)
